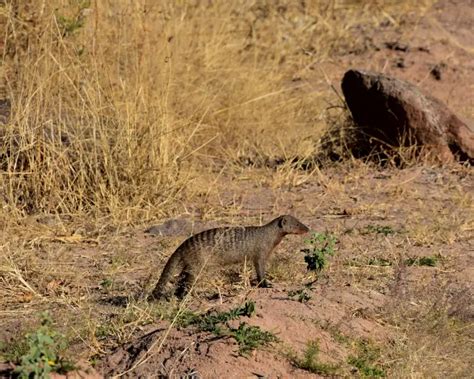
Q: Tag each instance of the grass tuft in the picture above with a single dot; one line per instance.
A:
(366, 360)
(247, 336)
(310, 361)
(44, 353)
(321, 245)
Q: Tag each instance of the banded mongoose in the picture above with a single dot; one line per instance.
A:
(226, 246)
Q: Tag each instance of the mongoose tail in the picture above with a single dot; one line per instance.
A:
(174, 262)
(227, 246)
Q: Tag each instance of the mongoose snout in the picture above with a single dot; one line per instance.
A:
(226, 246)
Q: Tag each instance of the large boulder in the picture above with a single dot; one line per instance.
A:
(391, 113)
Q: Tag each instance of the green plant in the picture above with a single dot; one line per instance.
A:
(300, 295)
(248, 337)
(13, 350)
(104, 331)
(423, 261)
(378, 229)
(106, 283)
(320, 246)
(310, 362)
(251, 337)
(68, 25)
(366, 360)
(379, 262)
(45, 352)
(211, 322)
(372, 261)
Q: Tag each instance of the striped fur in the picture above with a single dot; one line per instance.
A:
(226, 246)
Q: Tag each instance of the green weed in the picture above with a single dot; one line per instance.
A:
(300, 295)
(310, 362)
(372, 261)
(69, 25)
(430, 261)
(378, 229)
(379, 262)
(106, 283)
(45, 352)
(366, 360)
(211, 322)
(248, 337)
(13, 350)
(320, 246)
(251, 337)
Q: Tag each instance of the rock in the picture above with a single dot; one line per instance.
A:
(178, 226)
(391, 113)
(171, 227)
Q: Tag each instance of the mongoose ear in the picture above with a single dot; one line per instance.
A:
(281, 222)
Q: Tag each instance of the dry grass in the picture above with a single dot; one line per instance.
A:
(118, 106)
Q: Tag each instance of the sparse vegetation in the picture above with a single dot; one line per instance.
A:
(251, 337)
(248, 337)
(302, 295)
(366, 360)
(310, 361)
(379, 262)
(12, 351)
(212, 321)
(371, 261)
(378, 229)
(45, 352)
(321, 245)
(106, 283)
(430, 261)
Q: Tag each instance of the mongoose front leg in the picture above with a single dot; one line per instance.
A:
(260, 269)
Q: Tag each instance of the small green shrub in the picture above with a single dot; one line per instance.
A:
(300, 295)
(106, 283)
(310, 362)
(379, 262)
(251, 337)
(13, 350)
(211, 322)
(372, 261)
(430, 261)
(44, 355)
(248, 337)
(366, 360)
(378, 229)
(320, 246)
(68, 25)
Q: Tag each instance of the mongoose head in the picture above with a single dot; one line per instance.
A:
(290, 225)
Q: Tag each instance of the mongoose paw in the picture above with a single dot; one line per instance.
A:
(265, 284)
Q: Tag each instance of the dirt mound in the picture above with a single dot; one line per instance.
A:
(174, 352)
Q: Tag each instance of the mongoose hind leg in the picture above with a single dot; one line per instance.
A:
(159, 293)
(185, 283)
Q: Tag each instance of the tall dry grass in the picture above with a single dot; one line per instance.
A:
(118, 105)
